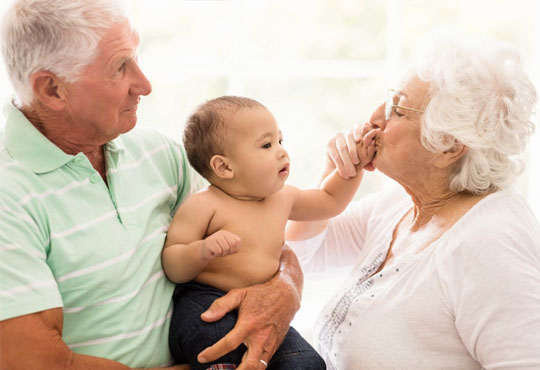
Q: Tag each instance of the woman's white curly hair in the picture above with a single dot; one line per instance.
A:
(59, 36)
(480, 96)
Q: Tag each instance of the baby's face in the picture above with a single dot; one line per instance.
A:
(260, 162)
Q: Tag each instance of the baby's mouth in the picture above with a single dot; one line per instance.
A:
(284, 169)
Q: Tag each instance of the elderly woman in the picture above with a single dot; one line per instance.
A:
(447, 271)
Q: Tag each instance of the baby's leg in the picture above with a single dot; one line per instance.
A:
(189, 335)
(296, 353)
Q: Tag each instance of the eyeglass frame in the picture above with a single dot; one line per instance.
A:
(388, 108)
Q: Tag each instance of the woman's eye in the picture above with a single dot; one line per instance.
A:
(398, 113)
(121, 68)
(267, 146)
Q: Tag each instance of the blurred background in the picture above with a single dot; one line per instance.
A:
(319, 65)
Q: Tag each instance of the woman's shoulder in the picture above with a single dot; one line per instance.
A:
(501, 215)
(498, 230)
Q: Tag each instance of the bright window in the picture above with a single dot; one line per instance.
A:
(319, 65)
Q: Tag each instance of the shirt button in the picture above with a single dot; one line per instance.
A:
(94, 178)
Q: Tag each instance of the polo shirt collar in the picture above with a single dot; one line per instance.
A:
(26, 144)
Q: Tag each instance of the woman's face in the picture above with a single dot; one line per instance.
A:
(399, 152)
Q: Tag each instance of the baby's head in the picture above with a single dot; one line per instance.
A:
(236, 139)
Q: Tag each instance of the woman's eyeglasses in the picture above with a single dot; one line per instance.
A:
(390, 106)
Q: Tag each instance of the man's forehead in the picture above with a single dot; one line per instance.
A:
(120, 33)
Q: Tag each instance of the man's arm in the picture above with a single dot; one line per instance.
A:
(35, 342)
(264, 314)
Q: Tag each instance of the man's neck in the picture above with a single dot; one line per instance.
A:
(57, 130)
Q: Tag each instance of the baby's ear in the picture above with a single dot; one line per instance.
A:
(220, 166)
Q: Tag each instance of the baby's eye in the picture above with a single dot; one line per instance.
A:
(280, 141)
(267, 145)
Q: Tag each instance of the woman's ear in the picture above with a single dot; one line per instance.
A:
(451, 156)
(220, 165)
(48, 89)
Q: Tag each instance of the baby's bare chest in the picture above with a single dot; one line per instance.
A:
(255, 223)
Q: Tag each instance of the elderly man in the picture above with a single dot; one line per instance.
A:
(86, 200)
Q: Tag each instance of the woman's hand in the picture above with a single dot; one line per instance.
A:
(351, 150)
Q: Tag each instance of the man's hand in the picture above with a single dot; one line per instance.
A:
(264, 314)
(219, 244)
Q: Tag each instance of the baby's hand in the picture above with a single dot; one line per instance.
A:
(365, 147)
(352, 149)
(219, 244)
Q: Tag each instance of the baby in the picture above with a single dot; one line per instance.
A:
(230, 234)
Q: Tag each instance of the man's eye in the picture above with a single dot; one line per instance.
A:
(267, 145)
(121, 68)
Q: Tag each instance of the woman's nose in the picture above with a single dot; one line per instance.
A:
(377, 119)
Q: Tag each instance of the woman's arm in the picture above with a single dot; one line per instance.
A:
(264, 314)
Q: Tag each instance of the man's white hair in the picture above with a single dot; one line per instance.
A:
(59, 36)
(480, 96)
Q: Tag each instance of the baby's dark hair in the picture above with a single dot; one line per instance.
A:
(205, 133)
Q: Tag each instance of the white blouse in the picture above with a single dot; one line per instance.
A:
(471, 300)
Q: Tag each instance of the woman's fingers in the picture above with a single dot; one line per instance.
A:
(339, 154)
(352, 147)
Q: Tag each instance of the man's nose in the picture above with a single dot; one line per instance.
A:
(140, 85)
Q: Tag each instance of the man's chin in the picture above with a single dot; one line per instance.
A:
(129, 124)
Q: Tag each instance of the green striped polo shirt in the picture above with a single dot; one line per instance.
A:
(68, 239)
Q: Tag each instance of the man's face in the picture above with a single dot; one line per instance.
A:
(102, 104)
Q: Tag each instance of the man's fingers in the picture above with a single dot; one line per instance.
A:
(228, 343)
(222, 305)
(252, 358)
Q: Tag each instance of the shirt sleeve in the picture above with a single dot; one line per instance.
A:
(189, 180)
(341, 243)
(493, 283)
(27, 284)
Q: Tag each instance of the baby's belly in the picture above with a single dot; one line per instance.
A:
(239, 270)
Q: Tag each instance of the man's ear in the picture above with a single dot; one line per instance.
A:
(48, 89)
(220, 165)
(451, 156)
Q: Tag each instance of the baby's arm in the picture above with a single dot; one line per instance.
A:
(335, 192)
(186, 251)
